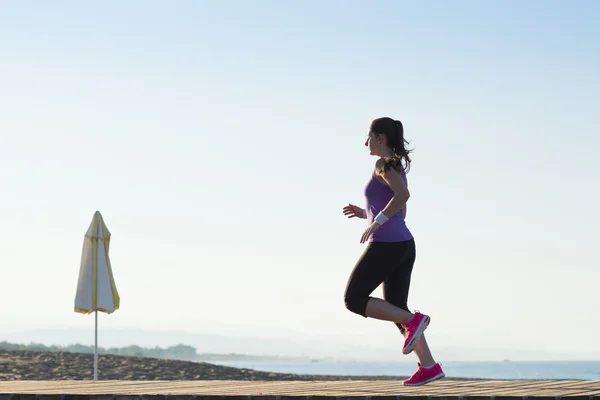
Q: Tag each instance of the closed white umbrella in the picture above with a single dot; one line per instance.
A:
(96, 289)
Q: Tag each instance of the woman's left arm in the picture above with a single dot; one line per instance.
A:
(401, 194)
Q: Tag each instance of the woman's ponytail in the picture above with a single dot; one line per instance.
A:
(399, 147)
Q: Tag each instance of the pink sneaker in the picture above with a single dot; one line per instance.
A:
(414, 329)
(425, 375)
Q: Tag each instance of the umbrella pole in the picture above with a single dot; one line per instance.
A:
(96, 348)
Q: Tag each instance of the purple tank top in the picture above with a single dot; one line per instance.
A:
(378, 196)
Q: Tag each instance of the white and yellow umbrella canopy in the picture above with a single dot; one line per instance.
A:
(96, 289)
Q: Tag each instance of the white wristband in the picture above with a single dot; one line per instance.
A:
(381, 218)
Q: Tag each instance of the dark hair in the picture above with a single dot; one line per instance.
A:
(394, 134)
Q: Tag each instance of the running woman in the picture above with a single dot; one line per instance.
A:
(390, 252)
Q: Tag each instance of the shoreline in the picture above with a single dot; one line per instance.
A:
(50, 366)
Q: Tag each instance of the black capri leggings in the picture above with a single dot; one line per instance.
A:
(390, 263)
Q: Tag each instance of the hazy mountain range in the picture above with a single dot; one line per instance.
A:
(296, 346)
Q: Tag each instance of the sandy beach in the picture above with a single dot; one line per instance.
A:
(35, 365)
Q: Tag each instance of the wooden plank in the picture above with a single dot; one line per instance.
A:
(238, 389)
(521, 388)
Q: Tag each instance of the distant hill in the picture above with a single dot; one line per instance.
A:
(179, 352)
(263, 347)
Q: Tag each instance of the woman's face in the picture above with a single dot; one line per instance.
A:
(373, 143)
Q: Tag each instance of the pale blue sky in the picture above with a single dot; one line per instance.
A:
(220, 142)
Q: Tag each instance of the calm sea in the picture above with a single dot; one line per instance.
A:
(483, 370)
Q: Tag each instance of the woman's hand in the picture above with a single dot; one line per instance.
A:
(370, 230)
(353, 211)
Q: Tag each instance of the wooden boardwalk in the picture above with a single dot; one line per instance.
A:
(282, 390)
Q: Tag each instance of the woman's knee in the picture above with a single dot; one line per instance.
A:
(356, 304)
